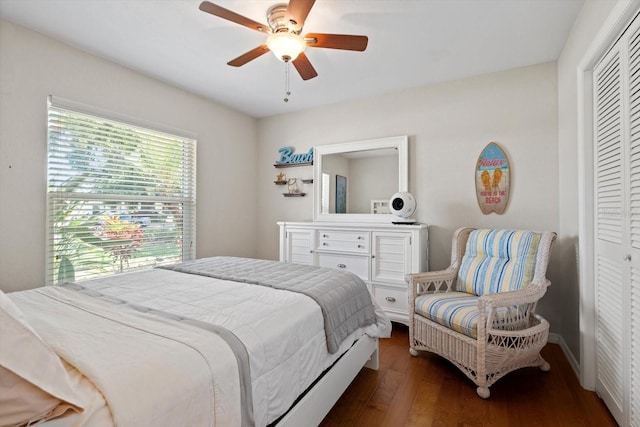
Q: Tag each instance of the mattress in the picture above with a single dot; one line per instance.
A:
(283, 332)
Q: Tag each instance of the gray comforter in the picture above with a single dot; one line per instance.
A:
(343, 297)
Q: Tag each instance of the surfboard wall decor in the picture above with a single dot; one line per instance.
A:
(493, 179)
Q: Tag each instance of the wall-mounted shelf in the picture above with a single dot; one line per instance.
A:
(280, 182)
(294, 194)
(307, 181)
(290, 165)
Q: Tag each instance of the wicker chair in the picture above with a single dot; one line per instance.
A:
(479, 313)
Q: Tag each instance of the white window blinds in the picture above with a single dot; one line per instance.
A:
(120, 197)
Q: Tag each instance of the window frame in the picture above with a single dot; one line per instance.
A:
(187, 199)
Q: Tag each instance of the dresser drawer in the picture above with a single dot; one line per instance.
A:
(347, 241)
(358, 265)
(392, 299)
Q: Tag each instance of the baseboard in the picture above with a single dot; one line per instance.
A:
(557, 339)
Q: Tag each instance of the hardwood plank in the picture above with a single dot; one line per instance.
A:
(429, 391)
(412, 396)
(371, 415)
(423, 406)
(347, 409)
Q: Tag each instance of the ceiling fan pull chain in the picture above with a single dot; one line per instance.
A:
(287, 92)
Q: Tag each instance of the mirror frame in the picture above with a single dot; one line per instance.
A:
(400, 143)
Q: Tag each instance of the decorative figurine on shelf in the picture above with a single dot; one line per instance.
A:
(292, 183)
(281, 177)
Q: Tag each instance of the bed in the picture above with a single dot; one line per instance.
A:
(219, 341)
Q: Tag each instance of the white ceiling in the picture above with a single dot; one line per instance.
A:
(411, 43)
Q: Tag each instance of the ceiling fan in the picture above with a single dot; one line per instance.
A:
(284, 40)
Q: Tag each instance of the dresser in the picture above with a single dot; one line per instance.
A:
(380, 254)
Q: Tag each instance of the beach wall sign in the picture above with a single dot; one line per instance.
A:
(289, 158)
(493, 179)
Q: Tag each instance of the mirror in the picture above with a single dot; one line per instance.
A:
(355, 180)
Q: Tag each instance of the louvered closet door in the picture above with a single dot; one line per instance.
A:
(617, 226)
(633, 202)
(609, 233)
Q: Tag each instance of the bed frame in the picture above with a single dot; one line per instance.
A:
(319, 400)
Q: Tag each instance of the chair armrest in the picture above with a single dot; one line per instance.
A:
(489, 323)
(528, 337)
(431, 281)
(530, 294)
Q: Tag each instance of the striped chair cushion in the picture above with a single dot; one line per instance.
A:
(458, 311)
(498, 261)
(455, 310)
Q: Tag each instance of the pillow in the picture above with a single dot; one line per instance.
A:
(34, 385)
(498, 261)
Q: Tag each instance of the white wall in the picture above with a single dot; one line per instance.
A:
(591, 18)
(33, 66)
(448, 126)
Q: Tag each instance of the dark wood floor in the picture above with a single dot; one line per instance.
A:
(429, 391)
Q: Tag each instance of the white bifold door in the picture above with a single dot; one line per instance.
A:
(617, 226)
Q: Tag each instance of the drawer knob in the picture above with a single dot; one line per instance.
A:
(390, 299)
(342, 266)
(360, 238)
(360, 246)
(325, 235)
(325, 244)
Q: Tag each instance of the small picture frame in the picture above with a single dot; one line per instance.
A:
(379, 207)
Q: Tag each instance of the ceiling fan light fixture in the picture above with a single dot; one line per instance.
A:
(286, 46)
(286, 21)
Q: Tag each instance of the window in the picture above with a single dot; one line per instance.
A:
(326, 188)
(120, 197)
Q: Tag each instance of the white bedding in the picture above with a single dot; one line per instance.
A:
(282, 331)
(156, 372)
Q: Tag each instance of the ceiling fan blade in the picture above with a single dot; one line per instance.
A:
(229, 15)
(304, 67)
(337, 41)
(297, 11)
(249, 56)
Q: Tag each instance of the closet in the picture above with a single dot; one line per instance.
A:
(616, 84)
